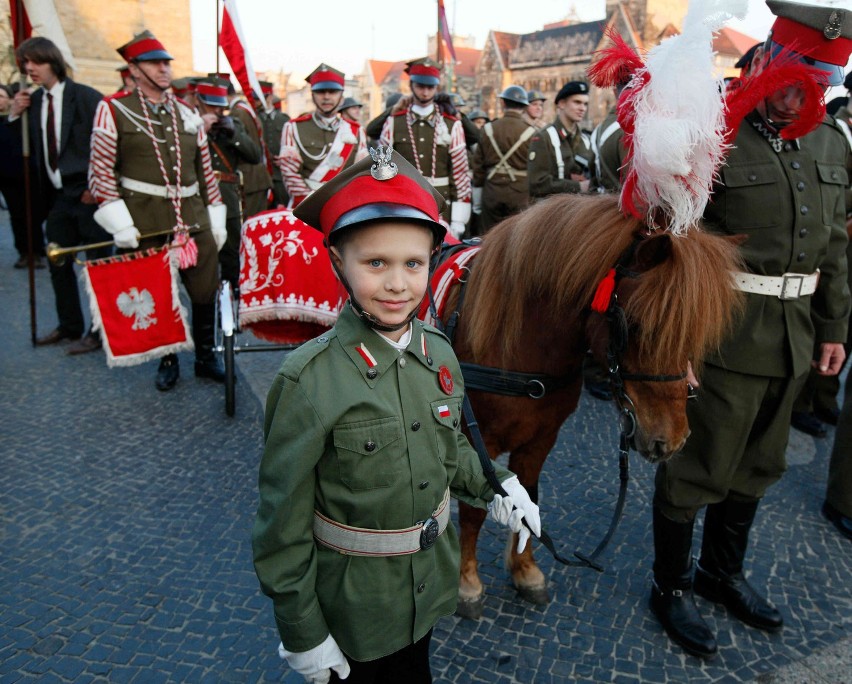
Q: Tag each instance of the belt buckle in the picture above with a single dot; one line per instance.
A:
(429, 533)
(791, 286)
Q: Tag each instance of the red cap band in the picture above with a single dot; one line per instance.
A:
(323, 76)
(366, 190)
(267, 90)
(423, 70)
(811, 42)
(212, 90)
(143, 46)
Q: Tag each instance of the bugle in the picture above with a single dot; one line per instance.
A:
(56, 254)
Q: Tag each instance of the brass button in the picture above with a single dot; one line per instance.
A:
(752, 177)
(796, 165)
(415, 426)
(803, 210)
(803, 232)
(423, 484)
(833, 175)
(372, 373)
(455, 422)
(802, 256)
(421, 588)
(370, 446)
(402, 362)
(800, 185)
(429, 360)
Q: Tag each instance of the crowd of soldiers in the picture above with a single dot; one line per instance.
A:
(193, 156)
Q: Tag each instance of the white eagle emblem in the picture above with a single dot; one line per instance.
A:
(139, 306)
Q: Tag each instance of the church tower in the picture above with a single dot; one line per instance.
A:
(652, 18)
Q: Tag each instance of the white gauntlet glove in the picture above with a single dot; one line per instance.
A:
(114, 217)
(501, 511)
(218, 214)
(316, 665)
(459, 216)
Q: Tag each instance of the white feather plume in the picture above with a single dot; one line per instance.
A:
(680, 126)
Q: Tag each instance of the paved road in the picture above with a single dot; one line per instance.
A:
(125, 552)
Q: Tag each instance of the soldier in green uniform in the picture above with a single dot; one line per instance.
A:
(229, 144)
(257, 180)
(351, 539)
(150, 171)
(316, 147)
(561, 159)
(608, 150)
(433, 140)
(787, 197)
(272, 120)
(534, 113)
(500, 161)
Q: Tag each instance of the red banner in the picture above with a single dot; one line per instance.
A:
(135, 304)
(288, 290)
(233, 43)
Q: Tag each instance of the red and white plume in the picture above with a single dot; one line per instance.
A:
(672, 113)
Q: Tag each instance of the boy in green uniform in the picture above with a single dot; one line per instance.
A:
(363, 448)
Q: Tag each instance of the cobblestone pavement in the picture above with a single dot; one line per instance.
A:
(125, 552)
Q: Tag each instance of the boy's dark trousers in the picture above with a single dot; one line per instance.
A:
(409, 665)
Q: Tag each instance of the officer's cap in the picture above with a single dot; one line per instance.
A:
(572, 88)
(213, 91)
(265, 87)
(325, 77)
(381, 187)
(144, 47)
(181, 86)
(424, 71)
(820, 34)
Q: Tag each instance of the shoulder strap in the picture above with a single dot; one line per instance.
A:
(557, 150)
(599, 137)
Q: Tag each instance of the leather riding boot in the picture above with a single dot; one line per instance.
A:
(168, 373)
(719, 575)
(672, 600)
(207, 364)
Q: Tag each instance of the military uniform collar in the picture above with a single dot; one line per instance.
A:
(372, 356)
(326, 123)
(516, 113)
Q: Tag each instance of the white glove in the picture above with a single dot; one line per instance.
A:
(457, 229)
(501, 511)
(114, 217)
(218, 214)
(476, 200)
(316, 664)
(127, 238)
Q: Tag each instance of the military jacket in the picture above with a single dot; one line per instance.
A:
(542, 168)
(365, 435)
(788, 199)
(226, 154)
(122, 147)
(507, 131)
(273, 124)
(609, 153)
(256, 178)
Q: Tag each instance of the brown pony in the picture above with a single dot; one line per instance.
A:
(526, 308)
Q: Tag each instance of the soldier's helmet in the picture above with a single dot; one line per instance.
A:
(514, 93)
(457, 100)
(536, 96)
(477, 114)
(382, 186)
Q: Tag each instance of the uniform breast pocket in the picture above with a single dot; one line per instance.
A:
(447, 417)
(370, 453)
(832, 187)
(752, 196)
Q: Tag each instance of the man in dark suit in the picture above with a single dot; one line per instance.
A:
(60, 126)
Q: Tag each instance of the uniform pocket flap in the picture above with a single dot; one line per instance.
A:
(447, 412)
(832, 173)
(745, 176)
(367, 437)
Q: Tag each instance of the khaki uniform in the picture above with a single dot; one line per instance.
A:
(256, 179)
(120, 129)
(609, 153)
(438, 149)
(788, 199)
(227, 152)
(546, 175)
(273, 124)
(378, 452)
(503, 178)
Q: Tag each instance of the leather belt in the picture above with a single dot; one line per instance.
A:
(166, 191)
(225, 177)
(785, 287)
(360, 541)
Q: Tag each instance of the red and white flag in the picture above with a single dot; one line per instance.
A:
(135, 304)
(233, 43)
(39, 17)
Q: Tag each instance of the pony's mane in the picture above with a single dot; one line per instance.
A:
(556, 252)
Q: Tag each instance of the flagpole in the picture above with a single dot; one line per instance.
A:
(439, 46)
(217, 36)
(18, 38)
